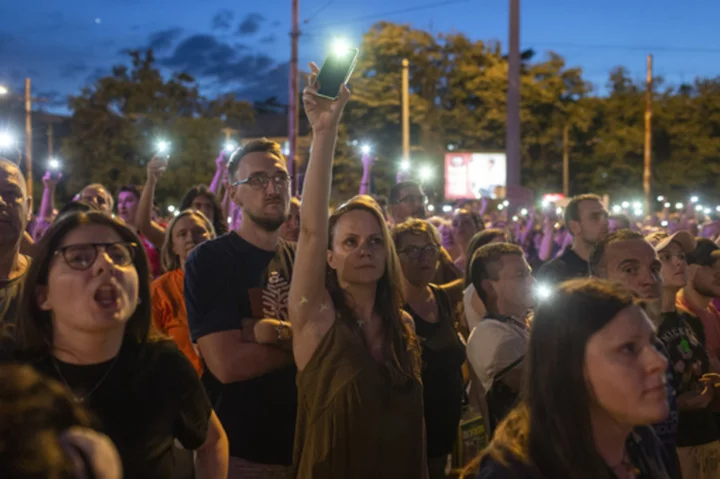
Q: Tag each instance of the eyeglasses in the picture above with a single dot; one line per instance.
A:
(82, 256)
(415, 252)
(413, 199)
(261, 181)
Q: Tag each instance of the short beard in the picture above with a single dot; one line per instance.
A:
(270, 225)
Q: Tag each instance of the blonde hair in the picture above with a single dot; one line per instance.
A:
(170, 259)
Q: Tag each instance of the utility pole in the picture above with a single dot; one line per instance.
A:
(566, 161)
(512, 139)
(293, 97)
(648, 134)
(28, 138)
(51, 149)
(406, 109)
(228, 132)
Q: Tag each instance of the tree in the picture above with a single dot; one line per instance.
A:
(117, 121)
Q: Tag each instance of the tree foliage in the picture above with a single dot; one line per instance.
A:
(117, 121)
(458, 89)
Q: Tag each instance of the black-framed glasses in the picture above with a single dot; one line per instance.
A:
(261, 180)
(416, 252)
(413, 199)
(82, 256)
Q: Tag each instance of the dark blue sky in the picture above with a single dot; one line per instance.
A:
(244, 45)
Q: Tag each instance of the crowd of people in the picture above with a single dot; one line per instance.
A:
(254, 335)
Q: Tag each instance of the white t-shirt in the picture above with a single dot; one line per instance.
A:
(493, 346)
(472, 316)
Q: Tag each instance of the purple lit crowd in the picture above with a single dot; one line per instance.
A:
(256, 335)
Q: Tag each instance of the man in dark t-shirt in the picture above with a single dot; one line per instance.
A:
(231, 283)
(587, 220)
(14, 215)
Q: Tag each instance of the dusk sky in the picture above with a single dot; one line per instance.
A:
(244, 46)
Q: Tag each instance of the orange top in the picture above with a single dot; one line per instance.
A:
(170, 315)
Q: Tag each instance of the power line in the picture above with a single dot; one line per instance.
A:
(644, 48)
(394, 12)
(318, 11)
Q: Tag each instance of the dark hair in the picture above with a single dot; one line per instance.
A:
(484, 264)
(397, 189)
(130, 189)
(550, 429)
(34, 328)
(262, 145)
(77, 206)
(400, 343)
(479, 239)
(34, 412)
(572, 210)
(597, 255)
(476, 218)
(219, 220)
(624, 219)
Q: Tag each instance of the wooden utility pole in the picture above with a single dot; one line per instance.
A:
(566, 161)
(228, 132)
(28, 138)
(512, 139)
(406, 109)
(648, 134)
(293, 97)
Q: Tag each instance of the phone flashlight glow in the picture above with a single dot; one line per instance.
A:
(163, 146)
(54, 164)
(230, 146)
(543, 291)
(340, 47)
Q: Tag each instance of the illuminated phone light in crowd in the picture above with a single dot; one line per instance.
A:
(616, 209)
(54, 164)
(447, 208)
(625, 204)
(660, 199)
(678, 206)
(506, 203)
(558, 211)
(524, 212)
(340, 47)
(405, 165)
(6, 140)
(365, 149)
(163, 146)
(501, 207)
(637, 205)
(694, 199)
(171, 209)
(663, 223)
(431, 208)
(230, 146)
(667, 204)
(698, 208)
(3, 90)
(706, 211)
(543, 291)
(515, 218)
(425, 174)
(638, 212)
(717, 208)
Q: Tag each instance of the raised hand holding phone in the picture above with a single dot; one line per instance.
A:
(323, 113)
(156, 167)
(336, 70)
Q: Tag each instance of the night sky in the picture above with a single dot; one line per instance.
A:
(243, 46)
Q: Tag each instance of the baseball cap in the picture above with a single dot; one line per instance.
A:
(705, 254)
(661, 240)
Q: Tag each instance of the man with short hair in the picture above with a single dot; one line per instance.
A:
(231, 283)
(98, 195)
(628, 258)
(15, 208)
(496, 347)
(702, 287)
(587, 220)
(407, 200)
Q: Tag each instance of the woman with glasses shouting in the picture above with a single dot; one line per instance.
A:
(359, 392)
(85, 321)
(443, 354)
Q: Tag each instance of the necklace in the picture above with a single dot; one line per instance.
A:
(81, 399)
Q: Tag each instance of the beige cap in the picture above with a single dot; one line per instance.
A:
(662, 240)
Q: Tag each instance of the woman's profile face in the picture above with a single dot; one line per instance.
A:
(92, 282)
(624, 371)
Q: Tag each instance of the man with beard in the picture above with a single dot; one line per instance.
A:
(14, 215)
(407, 200)
(231, 283)
(587, 220)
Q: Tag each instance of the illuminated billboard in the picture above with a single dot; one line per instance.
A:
(474, 175)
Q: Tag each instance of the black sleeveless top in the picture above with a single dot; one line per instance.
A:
(443, 356)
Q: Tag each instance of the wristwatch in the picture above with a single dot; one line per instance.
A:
(284, 331)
